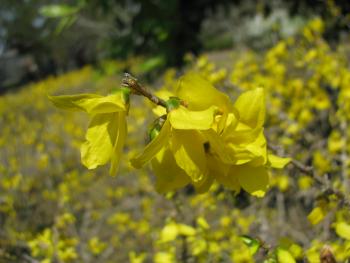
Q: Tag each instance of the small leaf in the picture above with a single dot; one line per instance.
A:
(151, 64)
(252, 243)
(64, 23)
(54, 11)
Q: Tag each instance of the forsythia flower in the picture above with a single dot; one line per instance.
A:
(105, 136)
(178, 149)
(212, 139)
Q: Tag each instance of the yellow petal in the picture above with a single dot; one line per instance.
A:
(159, 111)
(169, 176)
(216, 166)
(251, 107)
(169, 233)
(188, 150)
(204, 185)
(242, 134)
(252, 148)
(200, 94)
(283, 256)
(343, 230)
(100, 139)
(241, 154)
(258, 148)
(218, 147)
(254, 180)
(223, 174)
(110, 103)
(317, 214)
(184, 119)
(165, 95)
(119, 143)
(153, 147)
(186, 230)
(228, 122)
(277, 162)
(90, 103)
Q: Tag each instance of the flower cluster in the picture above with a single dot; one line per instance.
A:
(200, 137)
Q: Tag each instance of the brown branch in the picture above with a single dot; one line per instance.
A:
(309, 170)
(329, 190)
(132, 83)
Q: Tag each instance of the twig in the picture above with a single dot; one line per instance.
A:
(303, 168)
(329, 190)
(134, 85)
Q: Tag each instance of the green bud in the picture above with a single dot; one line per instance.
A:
(172, 103)
(252, 243)
(156, 127)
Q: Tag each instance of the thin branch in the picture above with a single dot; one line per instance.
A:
(329, 190)
(132, 83)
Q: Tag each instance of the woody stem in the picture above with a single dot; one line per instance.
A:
(138, 89)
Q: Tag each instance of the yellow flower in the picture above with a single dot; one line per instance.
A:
(238, 156)
(106, 133)
(211, 139)
(178, 149)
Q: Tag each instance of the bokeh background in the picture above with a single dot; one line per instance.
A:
(52, 209)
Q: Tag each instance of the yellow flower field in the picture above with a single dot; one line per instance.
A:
(170, 199)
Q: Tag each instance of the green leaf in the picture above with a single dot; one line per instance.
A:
(64, 23)
(152, 64)
(252, 243)
(54, 11)
(172, 103)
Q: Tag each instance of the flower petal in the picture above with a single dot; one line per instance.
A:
(90, 103)
(241, 135)
(153, 147)
(200, 94)
(100, 139)
(169, 176)
(204, 185)
(188, 150)
(119, 143)
(258, 148)
(251, 107)
(277, 162)
(223, 174)
(184, 119)
(218, 147)
(254, 180)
